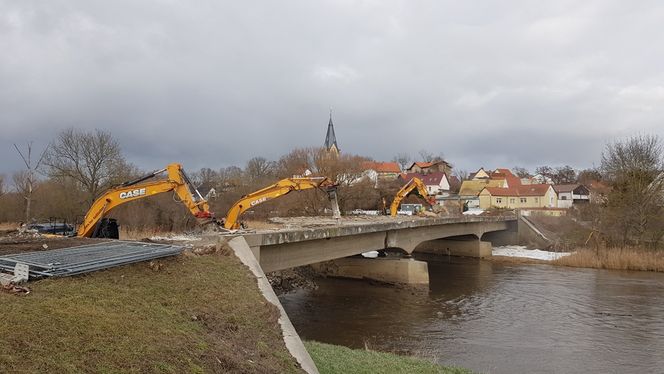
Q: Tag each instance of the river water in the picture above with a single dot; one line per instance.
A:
(498, 318)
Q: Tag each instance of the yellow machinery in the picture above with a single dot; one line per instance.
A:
(94, 224)
(278, 189)
(410, 186)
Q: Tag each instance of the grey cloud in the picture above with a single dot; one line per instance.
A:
(214, 83)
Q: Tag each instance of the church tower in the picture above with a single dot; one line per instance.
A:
(330, 138)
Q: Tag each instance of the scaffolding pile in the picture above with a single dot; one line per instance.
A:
(86, 258)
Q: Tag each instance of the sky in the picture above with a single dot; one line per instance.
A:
(215, 83)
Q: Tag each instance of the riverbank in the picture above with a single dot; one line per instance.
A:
(614, 259)
(334, 359)
(190, 313)
(604, 258)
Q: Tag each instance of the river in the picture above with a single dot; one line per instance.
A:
(498, 318)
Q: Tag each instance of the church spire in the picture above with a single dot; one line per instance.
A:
(330, 138)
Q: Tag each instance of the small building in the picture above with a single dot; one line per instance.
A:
(381, 170)
(470, 189)
(522, 196)
(436, 183)
(479, 175)
(507, 175)
(430, 167)
(569, 194)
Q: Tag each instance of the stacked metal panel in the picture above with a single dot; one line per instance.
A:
(87, 258)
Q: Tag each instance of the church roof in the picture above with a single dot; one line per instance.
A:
(330, 138)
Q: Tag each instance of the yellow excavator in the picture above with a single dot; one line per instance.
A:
(282, 187)
(410, 186)
(96, 225)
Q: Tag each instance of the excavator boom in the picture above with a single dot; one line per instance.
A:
(276, 190)
(176, 181)
(410, 186)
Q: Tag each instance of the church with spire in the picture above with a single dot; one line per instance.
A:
(330, 138)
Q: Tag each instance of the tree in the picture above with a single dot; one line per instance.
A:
(2, 185)
(634, 169)
(462, 175)
(545, 171)
(296, 162)
(25, 180)
(91, 158)
(425, 155)
(587, 176)
(521, 172)
(259, 168)
(564, 175)
(403, 159)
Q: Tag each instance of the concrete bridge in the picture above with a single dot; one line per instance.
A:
(463, 236)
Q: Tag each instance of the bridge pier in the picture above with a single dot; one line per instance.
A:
(389, 270)
(459, 247)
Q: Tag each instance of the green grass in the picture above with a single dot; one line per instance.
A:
(332, 359)
(190, 314)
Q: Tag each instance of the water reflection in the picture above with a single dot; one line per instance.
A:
(498, 318)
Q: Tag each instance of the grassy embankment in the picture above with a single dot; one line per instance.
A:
(570, 236)
(184, 314)
(333, 359)
(615, 259)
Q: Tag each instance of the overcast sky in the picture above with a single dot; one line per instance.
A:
(214, 83)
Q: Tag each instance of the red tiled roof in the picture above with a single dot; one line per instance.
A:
(428, 179)
(512, 180)
(382, 167)
(565, 187)
(520, 190)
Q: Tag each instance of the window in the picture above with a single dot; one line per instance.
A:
(512, 200)
(536, 200)
(523, 200)
(563, 197)
(499, 200)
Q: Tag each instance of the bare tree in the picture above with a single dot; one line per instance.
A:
(587, 176)
(27, 179)
(92, 158)
(425, 155)
(521, 172)
(564, 175)
(461, 174)
(259, 168)
(635, 170)
(403, 159)
(2, 185)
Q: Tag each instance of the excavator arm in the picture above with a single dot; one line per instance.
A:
(276, 190)
(410, 186)
(176, 181)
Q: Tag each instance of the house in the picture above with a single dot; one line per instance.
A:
(569, 194)
(436, 182)
(511, 180)
(381, 170)
(479, 175)
(470, 190)
(521, 196)
(430, 167)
